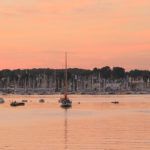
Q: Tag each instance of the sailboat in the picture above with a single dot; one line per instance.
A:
(65, 102)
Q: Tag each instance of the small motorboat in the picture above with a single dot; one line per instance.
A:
(14, 104)
(2, 101)
(41, 101)
(115, 102)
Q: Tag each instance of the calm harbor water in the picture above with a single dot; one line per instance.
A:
(94, 124)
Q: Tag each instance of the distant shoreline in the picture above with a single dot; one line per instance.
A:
(83, 93)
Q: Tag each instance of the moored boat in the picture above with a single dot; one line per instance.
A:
(2, 101)
(14, 104)
(115, 102)
(41, 101)
(65, 102)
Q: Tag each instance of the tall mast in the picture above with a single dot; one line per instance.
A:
(66, 85)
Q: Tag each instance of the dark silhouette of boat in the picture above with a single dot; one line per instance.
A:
(115, 102)
(65, 102)
(41, 101)
(2, 101)
(14, 104)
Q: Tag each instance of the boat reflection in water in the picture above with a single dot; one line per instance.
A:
(66, 129)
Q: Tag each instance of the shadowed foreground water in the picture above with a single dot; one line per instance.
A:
(95, 124)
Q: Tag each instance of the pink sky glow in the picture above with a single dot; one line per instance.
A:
(96, 33)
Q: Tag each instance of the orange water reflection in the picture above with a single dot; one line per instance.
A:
(93, 124)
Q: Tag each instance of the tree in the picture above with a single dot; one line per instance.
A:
(118, 73)
(135, 73)
(105, 72)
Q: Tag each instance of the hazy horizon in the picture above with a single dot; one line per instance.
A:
(36, 33)
(74, 68)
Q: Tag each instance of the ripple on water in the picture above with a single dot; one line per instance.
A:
(94, 125)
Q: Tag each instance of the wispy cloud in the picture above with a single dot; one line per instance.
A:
(52, 6)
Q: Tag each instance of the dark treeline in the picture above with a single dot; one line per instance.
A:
(120, 73)
(104, 72)
(54, 78)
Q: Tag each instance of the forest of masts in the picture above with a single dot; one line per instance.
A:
(48, 81)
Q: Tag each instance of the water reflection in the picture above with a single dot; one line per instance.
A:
(66, 128)
(91, 126)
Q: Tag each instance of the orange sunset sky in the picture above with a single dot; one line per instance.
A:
(96, 33)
